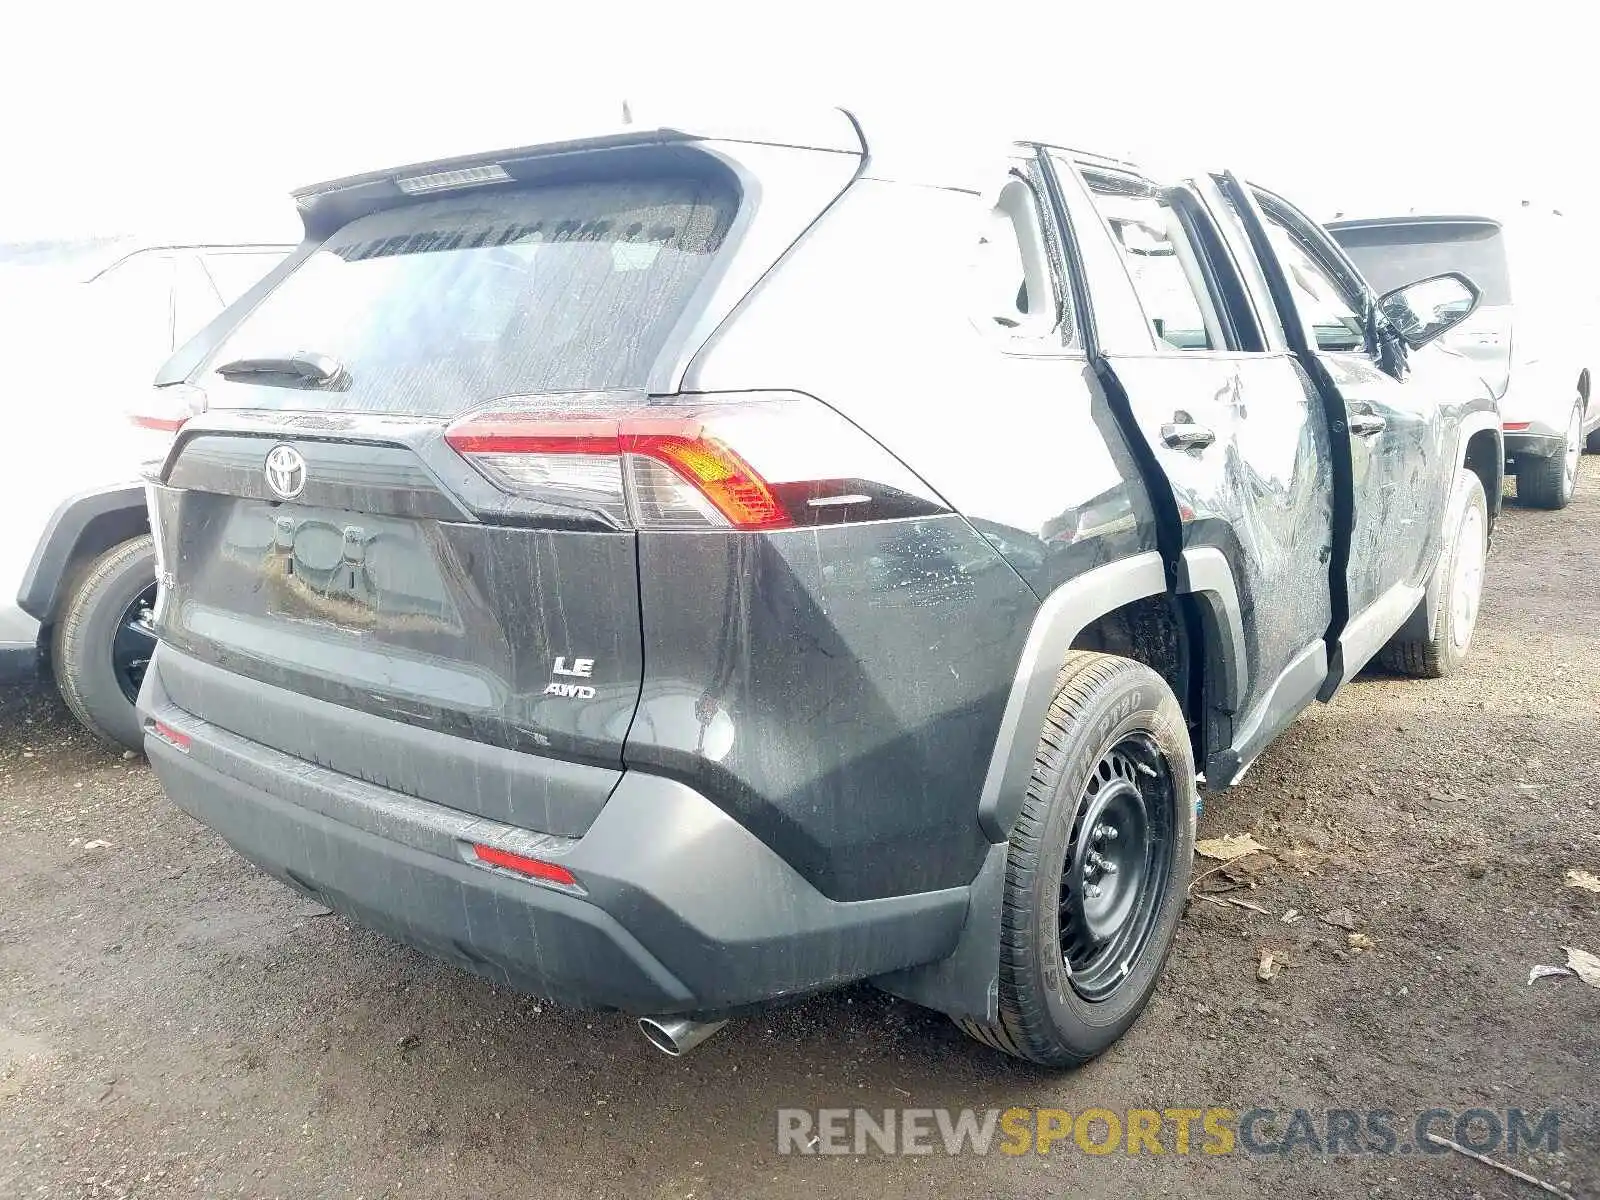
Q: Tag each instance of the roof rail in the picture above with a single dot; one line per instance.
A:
(1093, 157)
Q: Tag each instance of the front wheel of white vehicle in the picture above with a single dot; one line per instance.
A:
(1460, 593)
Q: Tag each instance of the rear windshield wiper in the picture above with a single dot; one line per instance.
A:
(304, 365)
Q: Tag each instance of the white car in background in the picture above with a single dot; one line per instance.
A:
(83, 328)
(1534, 336)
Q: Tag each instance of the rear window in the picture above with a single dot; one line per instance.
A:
(1391, 256)
(437, 306)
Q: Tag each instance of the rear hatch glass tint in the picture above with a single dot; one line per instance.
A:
(1393, 255)
(437, 306)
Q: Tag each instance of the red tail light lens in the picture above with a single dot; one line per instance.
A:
(165, 409)
(1515, 426)
(159, 416)
(714, 469)
(749, 461)
(166, 424)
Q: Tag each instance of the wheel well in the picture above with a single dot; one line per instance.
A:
(1485, 459)
(100, 534)
(1158, 632)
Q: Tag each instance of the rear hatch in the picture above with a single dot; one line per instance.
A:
(343, 520)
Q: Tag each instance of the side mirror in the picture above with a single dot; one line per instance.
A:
(1423, 310)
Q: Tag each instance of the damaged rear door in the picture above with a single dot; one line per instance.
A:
(1394, 451)
(1225, 424)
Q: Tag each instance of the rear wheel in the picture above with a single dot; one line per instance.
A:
(1460, 593)
(103, 641)
(1098, 868)
(1550, 482)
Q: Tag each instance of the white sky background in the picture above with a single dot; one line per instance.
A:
(193, 120)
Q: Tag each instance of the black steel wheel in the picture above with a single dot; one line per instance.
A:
(134, 643)
(1098, 865)
(1116, 866)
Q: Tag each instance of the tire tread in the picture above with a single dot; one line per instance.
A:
(1022, 1027)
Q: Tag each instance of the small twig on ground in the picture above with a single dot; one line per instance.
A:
(1210, 899)
(1209, 872)
(1499, 1166)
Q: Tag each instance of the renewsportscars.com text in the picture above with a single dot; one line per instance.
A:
(1259, 1131)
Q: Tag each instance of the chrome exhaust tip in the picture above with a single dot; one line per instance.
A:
(677, 1035)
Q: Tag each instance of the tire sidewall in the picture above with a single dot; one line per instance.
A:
(87, 658)
(1138, 701)
(1569, 482)
(1468, 495)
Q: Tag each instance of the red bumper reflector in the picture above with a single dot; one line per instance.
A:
(1515, 426)
(524, 865)
(170, 735)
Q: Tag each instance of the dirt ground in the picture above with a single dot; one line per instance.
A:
(174, 1023)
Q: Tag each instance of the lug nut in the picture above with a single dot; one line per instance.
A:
(1091, 891)
(1104, 832)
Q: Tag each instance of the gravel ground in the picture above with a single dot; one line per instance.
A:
(174, 1023)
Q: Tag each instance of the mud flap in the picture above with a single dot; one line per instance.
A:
(967, 983)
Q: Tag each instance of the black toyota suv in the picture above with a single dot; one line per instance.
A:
(675, 571)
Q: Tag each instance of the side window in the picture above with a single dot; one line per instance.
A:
(234, 272)
(1016, 293)
(1163, 266)
(1328, 308)
(194, 299)
(133, 299)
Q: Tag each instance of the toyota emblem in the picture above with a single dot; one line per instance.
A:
(286, 471)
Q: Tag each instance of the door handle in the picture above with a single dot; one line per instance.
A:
(1186, 435)
(1366, 424)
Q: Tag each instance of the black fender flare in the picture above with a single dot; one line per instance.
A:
(1203, 573)
(83, 526)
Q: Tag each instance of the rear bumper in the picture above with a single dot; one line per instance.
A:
(18, 661)
(679, 910)
(1531, 443)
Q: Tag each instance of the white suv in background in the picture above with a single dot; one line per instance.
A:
(1533, 337)
(77, 573)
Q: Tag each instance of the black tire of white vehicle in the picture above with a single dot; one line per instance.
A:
(82, 658)
(1098, 867)
(1550, 482)
(1460, 591)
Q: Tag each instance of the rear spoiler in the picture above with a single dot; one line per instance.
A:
(324, 206)
(1411, 222)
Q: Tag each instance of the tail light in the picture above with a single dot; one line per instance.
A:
(160, 414)
(1515, 426)
(165, 409)
(752, 461)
